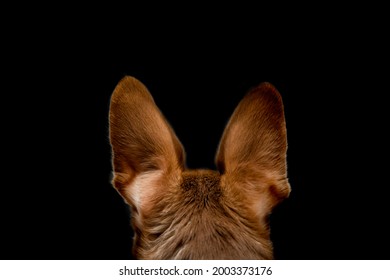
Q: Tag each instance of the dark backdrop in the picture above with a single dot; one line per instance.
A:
(57, 201)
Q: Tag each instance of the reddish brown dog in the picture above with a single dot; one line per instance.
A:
(199, 214)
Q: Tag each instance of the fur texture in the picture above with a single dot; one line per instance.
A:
(199, 214)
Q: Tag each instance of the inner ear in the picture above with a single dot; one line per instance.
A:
(143, 143)
(256, 133)
(254, 144)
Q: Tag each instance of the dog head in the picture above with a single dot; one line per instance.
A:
(199, 214)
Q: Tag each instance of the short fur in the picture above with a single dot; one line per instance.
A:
(199, 214)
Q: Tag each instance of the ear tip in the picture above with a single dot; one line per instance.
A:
(266, 91)
(268, 87)
(127, 86)
(128, 79)
(129, 82)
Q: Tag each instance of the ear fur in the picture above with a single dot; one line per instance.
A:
(252, 151)
(145, 148)
(146, 152)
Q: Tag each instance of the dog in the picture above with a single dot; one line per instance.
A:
(199, 214)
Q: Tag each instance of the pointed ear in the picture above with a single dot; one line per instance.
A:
(252, 151)
(145, 149)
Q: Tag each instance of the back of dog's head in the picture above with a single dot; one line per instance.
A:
(199, 214)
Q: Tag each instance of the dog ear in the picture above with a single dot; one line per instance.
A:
(145, 149)
(252, 152)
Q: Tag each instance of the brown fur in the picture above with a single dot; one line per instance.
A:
(199, 214)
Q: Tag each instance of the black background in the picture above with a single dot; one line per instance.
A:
(57, 201)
